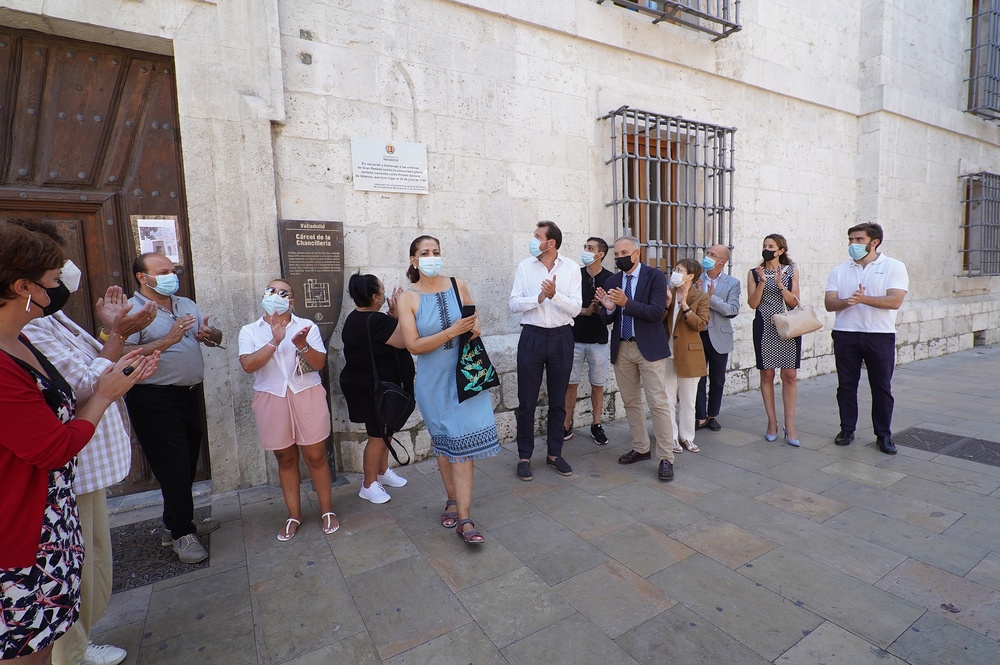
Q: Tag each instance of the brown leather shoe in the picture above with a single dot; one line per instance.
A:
(666, 471)
(633, 456)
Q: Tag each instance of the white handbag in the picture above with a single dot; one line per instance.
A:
(796, 322)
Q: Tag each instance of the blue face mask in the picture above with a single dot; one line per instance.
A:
(275, 303)
(430, 265)
(587, 258)
(535, 247)
(857, 252)
(166, 285)
(707, 263)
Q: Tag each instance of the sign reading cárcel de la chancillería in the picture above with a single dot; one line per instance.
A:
(312, 261)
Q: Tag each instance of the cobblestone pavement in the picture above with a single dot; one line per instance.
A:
(757, 553)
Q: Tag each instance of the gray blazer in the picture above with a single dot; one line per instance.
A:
(722, 307)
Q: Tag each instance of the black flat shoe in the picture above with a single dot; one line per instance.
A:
(844, 438)
(886, 445)
(665, 471)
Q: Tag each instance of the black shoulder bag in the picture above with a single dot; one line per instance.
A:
(393, 404)
(474, 371)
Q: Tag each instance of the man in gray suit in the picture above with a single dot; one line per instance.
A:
(724, 303)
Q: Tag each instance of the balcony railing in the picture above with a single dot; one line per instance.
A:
(720, 18)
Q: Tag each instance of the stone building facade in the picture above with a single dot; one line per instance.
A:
(844, 112)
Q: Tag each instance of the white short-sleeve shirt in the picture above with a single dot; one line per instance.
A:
(278, 375)
(877, 277)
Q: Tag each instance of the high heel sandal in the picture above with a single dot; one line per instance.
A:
(791, 442)
(771, 437)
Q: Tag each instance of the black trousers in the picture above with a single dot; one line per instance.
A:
(878, 352)
(167, 421)
(548, 350)
(715, 381)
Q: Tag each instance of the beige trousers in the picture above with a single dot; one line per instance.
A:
(95, 579)
(633, 372)
(686, 391)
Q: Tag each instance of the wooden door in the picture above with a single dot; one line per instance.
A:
(89, 140)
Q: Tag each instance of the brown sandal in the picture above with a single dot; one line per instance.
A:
(449, 518)
(470, 537)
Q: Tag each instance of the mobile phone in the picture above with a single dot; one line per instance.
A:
(468, 310)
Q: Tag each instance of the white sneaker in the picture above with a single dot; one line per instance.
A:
(391, 478)
(376, 493)
(103, 654)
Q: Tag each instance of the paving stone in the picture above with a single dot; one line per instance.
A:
(875, 615)
(514, 605)
(891, 504)
(929, 587)
(747, 483)
(286, 610)
(614, 598)
(802, 502)
(976, 529)
(737, 605)
(593, 477)
(840, 551)
(500, 509)
(220, 597)
(642, 549)
(751, 458)
(467, 644)
(461, 565)
(945, 475)
(572, 640)
(681, 636)
(986, 572)
(686, 486)
(124, 607)
(356, 650)
(946, 496)
(404, 605)
(584, 514)
(654, 508)
(734, 508)
(551, 550)
(372, 549)
(229, 641)
(123, 635)
(928, 546)
(832, 645)
(724, 542)
(936, 641)
(863, 473)
(802, 476)
(267, 557)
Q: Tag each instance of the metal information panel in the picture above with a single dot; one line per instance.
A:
(312, 260)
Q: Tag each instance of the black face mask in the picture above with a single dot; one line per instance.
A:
(58, 296)
(624, 263)
(768, 254)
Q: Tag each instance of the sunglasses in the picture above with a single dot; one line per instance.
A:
(281, 293)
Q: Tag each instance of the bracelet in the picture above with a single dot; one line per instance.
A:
(272, 346)
(302, 349)
(103, 335)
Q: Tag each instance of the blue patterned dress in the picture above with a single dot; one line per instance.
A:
(459, 432)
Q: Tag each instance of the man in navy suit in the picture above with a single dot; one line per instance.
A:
(635, 300)
(724, 303)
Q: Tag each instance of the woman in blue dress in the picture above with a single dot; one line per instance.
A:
(431, 320)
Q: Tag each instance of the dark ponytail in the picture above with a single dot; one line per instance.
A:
(362, 289)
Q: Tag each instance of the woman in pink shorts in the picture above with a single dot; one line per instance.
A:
(284, 354)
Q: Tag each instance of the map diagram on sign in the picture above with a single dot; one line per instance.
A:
(317, 294)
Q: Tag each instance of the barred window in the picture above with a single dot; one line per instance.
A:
(984, 60)
(981, 246)
(720, 18)
(672, 184)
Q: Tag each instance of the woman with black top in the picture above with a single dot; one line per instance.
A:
(369, 333)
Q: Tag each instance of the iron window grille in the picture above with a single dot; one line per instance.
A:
(672, 184)
(981, 230)
(720, 18)
(984, 60)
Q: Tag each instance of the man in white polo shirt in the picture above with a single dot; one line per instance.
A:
(865, 292)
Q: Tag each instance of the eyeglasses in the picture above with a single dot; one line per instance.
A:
(593, 284)
(713, 255)
(281, 293)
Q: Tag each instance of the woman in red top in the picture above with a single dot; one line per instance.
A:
(41, 547)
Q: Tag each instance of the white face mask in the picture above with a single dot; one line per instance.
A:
(587, 258)
(676, 279)
(430, 265)
(71, 276)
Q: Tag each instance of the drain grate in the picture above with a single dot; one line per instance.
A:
(952, 445)
(140, 559)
